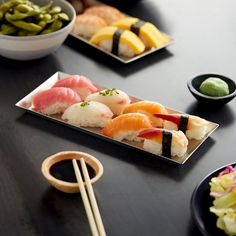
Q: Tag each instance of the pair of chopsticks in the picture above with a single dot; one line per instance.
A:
(89, 200)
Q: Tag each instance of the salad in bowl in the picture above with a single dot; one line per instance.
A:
(223, 191)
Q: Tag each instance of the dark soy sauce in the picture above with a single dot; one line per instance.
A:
(64, 171)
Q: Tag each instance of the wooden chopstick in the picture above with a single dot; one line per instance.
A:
(92, 211)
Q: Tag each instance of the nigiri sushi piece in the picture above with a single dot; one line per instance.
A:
(79, 83)
(115, 99)
(88, 114)
(164, 142)
(54, 100)
(126, 126)
(117, 41)
(88, 25)
(108, 13)
(194, 127)
(147, 32)
(148, 108)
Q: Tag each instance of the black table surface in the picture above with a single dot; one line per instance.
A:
(137, 194)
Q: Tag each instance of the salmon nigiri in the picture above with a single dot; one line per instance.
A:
(126, 126)
(54, 100)
(193, 126)
(164, 142)
(148, 108)
(79, 83)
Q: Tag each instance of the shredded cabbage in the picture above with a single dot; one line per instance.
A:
(223, 189)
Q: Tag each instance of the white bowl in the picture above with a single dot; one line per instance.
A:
(34, 47)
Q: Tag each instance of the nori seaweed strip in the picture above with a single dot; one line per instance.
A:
(115, 41)
(183, 123)
(166, 143)
(135, 28)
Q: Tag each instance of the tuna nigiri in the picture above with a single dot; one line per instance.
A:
(115, 99)
(148, 108)
(193, 126)
(164, 142)
(88, 114)
(126, 126)
(54, 100)
(79, 83)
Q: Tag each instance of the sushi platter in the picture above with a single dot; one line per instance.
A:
(28, 104)
(117, 34)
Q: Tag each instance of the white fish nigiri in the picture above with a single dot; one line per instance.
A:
(168, 143)
(194, 127)
(79, 83)
(88, 114)
(115, 99)
(54, 100)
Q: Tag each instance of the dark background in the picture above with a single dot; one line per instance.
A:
(138, 194)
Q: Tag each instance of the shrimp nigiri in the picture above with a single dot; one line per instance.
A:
(79, 83)
(126, 126)
(148, 108)
(54, 100)
(194, 127)
(164, 142)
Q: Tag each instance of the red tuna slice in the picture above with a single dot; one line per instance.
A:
(54, 100)
(79, 83)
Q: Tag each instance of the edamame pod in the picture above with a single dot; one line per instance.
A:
(55, 10)
(24, 8)
(56, 25)
(32, 27)
(7, 29)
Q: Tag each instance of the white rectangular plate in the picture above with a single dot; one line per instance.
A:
(25, 103)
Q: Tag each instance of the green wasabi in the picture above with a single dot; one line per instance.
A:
(214, 87)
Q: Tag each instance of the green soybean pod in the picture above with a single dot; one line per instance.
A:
(63, 16)
(15, 16)
(42, 23)
(47, 17)
(24, 8)
(8, 5)
(8, 29)
(44, 9)
(56, 25)
(27, 26)
(55, 10)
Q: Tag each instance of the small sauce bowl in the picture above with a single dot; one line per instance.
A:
(194, 84)
(60, 158)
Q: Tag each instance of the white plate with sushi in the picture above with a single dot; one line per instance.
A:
(120, 36)
(113, 115)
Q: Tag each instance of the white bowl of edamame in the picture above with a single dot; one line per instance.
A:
(31, 29)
